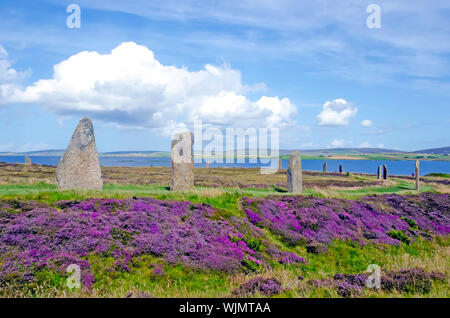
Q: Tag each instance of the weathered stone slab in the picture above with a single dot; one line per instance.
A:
(325, 167)
(417, 175)
(182, 162)
(80, 168)
(341, 169)
(294, 173)
(379, 172)
(385, 172)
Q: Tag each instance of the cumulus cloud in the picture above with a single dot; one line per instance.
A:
(129, 87)
(336, 113)
(366, 123)
(9, 77)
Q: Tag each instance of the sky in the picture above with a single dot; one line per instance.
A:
(144, 69)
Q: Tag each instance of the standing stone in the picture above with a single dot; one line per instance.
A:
(80, 168)
(294, 173)
(280, 164)
(385, 172)
(182, 162)
(27, 161)
(340, 169)
(379, 172)
(207, 165)
(417, 175)
(325, 167)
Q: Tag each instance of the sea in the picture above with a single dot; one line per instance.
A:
(395, 167)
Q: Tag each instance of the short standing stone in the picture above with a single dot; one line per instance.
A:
(340, 169)
(80, 168)
(325, 167)
(207, 165)
(182, 162)
(385, 172)
(294, 173)
(417, 175)
(27, 161)
(379, 172)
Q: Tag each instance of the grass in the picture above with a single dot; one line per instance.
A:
(179, 281)
(440, 175)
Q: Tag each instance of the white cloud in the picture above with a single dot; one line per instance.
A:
(338, 143)
(8, 76)
(130, 88)
(336, 113)
(366, 123)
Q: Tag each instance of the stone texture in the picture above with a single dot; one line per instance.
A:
(385, 172)
(379, 172)
(280, 164)
(294, 173)
(27, 161)
(182, 162)
(417, 175)
(80, 168)
(340, 169)
(325, 167)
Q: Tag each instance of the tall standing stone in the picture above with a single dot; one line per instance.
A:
(280, 164)
(182, 162)
(294, 173)
(385, 172)
(417, 175)
(379, 172)
(340, 169)
(80, 168)
(27, 161)
(325, 167)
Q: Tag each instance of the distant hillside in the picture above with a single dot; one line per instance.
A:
(346, 151)
(436, 151)
(60, 153)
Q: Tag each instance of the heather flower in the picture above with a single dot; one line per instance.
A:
(37, 236)
(299, 219)
(267, 287)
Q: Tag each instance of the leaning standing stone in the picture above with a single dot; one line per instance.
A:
(294, 173)
(325, 167)
(182, 162)
(80, 168)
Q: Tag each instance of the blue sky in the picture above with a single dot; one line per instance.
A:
(141, 69)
